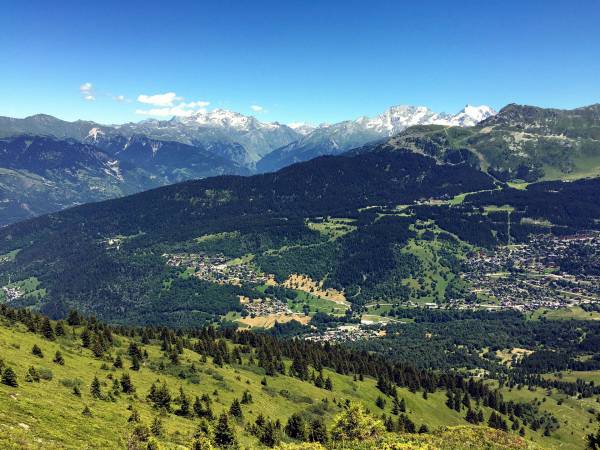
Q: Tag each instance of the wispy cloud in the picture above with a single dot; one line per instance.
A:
(87, 91)
(166, 99)
(168, 106)
(257, 108)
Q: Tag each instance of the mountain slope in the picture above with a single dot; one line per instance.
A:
(340, 137)
(268, 211)
(211, 369)
(45, 174)
(519, 143)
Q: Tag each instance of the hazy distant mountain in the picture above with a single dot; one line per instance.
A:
(42, 174)
(342, 136)
(220, 129)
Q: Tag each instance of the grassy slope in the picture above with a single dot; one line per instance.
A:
(47, 414)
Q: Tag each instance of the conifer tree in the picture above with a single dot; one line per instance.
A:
(184, 404)
(37, 351)
(157, 427)
(9, 377)
(95, 389)
(246, 397)
(127, 384)
(59, 330)
(235, 410)
(118, 363)
(296, 427)
(135, 363)
(47, 329)
(58, 358)
(317, 431)
(224, 434)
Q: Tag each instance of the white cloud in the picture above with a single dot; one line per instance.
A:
(87, 91)
(159, 99)
(120, 98)
(257, 108)
(168, 108)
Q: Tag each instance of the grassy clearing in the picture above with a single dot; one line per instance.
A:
(572, 313)
(332, 227)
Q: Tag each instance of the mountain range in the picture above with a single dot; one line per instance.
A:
(48, 164)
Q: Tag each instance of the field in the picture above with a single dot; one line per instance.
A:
(572, 313)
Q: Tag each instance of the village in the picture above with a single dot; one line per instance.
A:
(528, 276)
(347, 333)
(215, 268)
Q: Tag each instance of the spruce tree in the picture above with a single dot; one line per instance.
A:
(9, 377)
(95, 389)
(37, 351)
(184, 404)
(58, 358)
(118, 364)
(317, 431)
(224, 434)
(296, 427)
(59, 330)
(157, 427)
(47, 329)
(127, 384)
(235, 410)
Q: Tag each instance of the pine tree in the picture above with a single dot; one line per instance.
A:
(224, 435)
(9, 377)
(380, 402)
(235, 410)
(76, 391)
(402, 405)
(246, 397)
(58, 358)
(60, 328)
(37, 351)
(134, 417)
(317, 431)
(47, 329)
(157, 427)
(328, 384)
(95, 389)
(86, 411)
(127, 384)
(135, 363)
(296, 427)
(118, 364)
(184, 404)
(423, 429)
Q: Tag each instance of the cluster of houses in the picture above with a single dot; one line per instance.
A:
(528, 276)
(12, 293)
(265, 307)
(215, 268)
(346, 333)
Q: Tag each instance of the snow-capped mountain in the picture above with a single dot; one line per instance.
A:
(302, 128)
(245, 140)
(216, 127)
(340, 137)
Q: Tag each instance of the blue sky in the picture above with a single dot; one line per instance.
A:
(312, 61)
